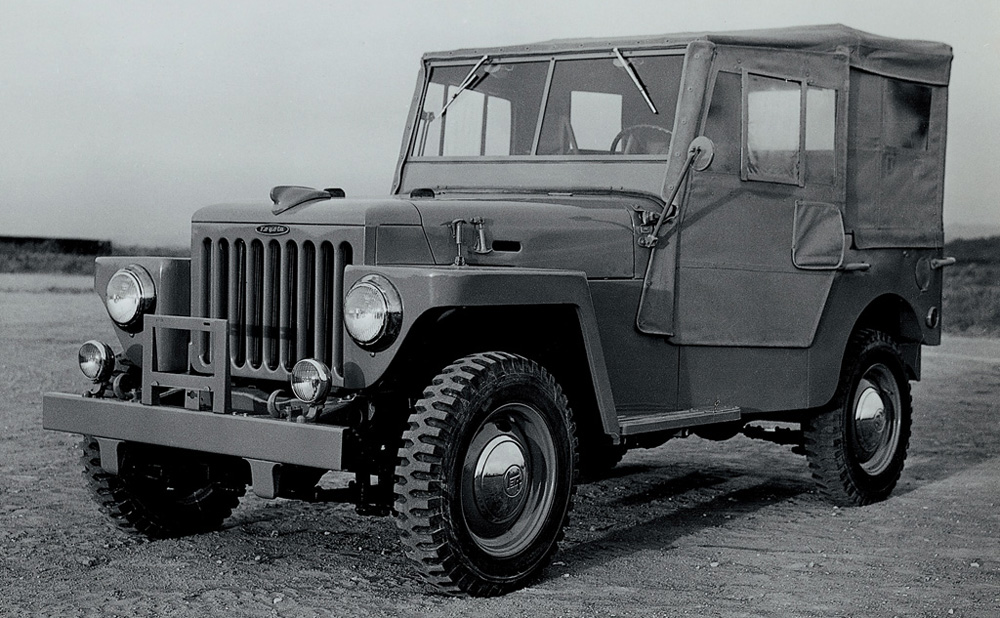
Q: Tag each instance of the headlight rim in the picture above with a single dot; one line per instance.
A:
(107, 361)
(391, 325)
(147, 296)
(325, 382)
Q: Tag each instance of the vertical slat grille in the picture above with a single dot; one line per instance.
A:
(237, 327)
(286, 304)
(303, 301)
(282, 299)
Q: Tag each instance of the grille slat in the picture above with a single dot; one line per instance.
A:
(218, 281)
(283, 301)
(337, 311)
(286, 305)
(302, 302)
(268, 301)
(234, 292)
(320, 314)
(252, 319)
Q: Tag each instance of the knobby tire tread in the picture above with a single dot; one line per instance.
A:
(421, 493)
(823, 434)
(115, 499)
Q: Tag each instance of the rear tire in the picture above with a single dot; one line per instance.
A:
(856, 449)
(486, 473)
(162, 492)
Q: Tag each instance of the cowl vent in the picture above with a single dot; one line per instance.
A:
(287, 197)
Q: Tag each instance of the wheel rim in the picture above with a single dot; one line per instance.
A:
(508, 480)
(876, 420)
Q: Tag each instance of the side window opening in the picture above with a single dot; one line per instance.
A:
(773, 111)
(821, 135)
(789, 131)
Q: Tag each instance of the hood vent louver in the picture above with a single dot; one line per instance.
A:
(288, 197)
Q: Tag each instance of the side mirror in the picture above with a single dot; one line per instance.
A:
(700, 154)
(701, 151)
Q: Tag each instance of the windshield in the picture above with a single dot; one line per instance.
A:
(598, 106)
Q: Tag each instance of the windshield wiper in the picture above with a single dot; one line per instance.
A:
(465, 85)
(635, 79)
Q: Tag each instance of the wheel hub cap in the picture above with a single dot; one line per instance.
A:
(508, 485)
(500, 479)
(870, 419)
(876, 421)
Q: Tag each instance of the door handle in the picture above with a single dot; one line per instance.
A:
(943, 262)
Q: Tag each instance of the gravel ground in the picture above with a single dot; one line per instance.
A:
(693, 528)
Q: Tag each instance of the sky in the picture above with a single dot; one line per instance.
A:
(119, 119)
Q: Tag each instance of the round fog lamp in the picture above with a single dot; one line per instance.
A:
(373, 312)
(311, 380)
(97, 360)
(130, 295)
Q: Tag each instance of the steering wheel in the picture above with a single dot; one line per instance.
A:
(628, 131)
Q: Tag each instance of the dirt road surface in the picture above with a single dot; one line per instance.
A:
(693, 528)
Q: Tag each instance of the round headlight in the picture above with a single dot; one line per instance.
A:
(97, 360)
(311, 380)
(373, 312)
(130, 295)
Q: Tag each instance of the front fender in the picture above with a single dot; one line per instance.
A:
(425, 289)
(172, 281)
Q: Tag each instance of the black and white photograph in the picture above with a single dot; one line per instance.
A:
(646, 308)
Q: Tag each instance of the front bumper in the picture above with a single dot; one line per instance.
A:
(253, 438)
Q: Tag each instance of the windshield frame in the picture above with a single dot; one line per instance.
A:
(552, 59)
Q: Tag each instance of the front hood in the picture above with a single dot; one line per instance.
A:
(336, 211)
(584, 233)
(593, 234)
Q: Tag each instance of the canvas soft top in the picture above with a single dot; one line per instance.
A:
(920, 61)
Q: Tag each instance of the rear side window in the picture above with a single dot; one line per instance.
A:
(907, 114)
(789, 131)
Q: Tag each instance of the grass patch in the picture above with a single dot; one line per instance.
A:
(971, 300)
(41, 262)
(73, 264)
(971, 297)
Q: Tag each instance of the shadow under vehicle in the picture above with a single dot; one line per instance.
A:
(590, 246)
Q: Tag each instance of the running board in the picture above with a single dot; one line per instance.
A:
(677, 419)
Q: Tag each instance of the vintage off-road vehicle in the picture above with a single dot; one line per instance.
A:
(590, 246)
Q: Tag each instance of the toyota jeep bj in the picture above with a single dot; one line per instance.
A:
(589, 246)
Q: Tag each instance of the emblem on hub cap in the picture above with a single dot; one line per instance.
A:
(513, 481)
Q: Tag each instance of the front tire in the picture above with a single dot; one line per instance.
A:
(856, 449)
(162, 492)
(486, 473)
